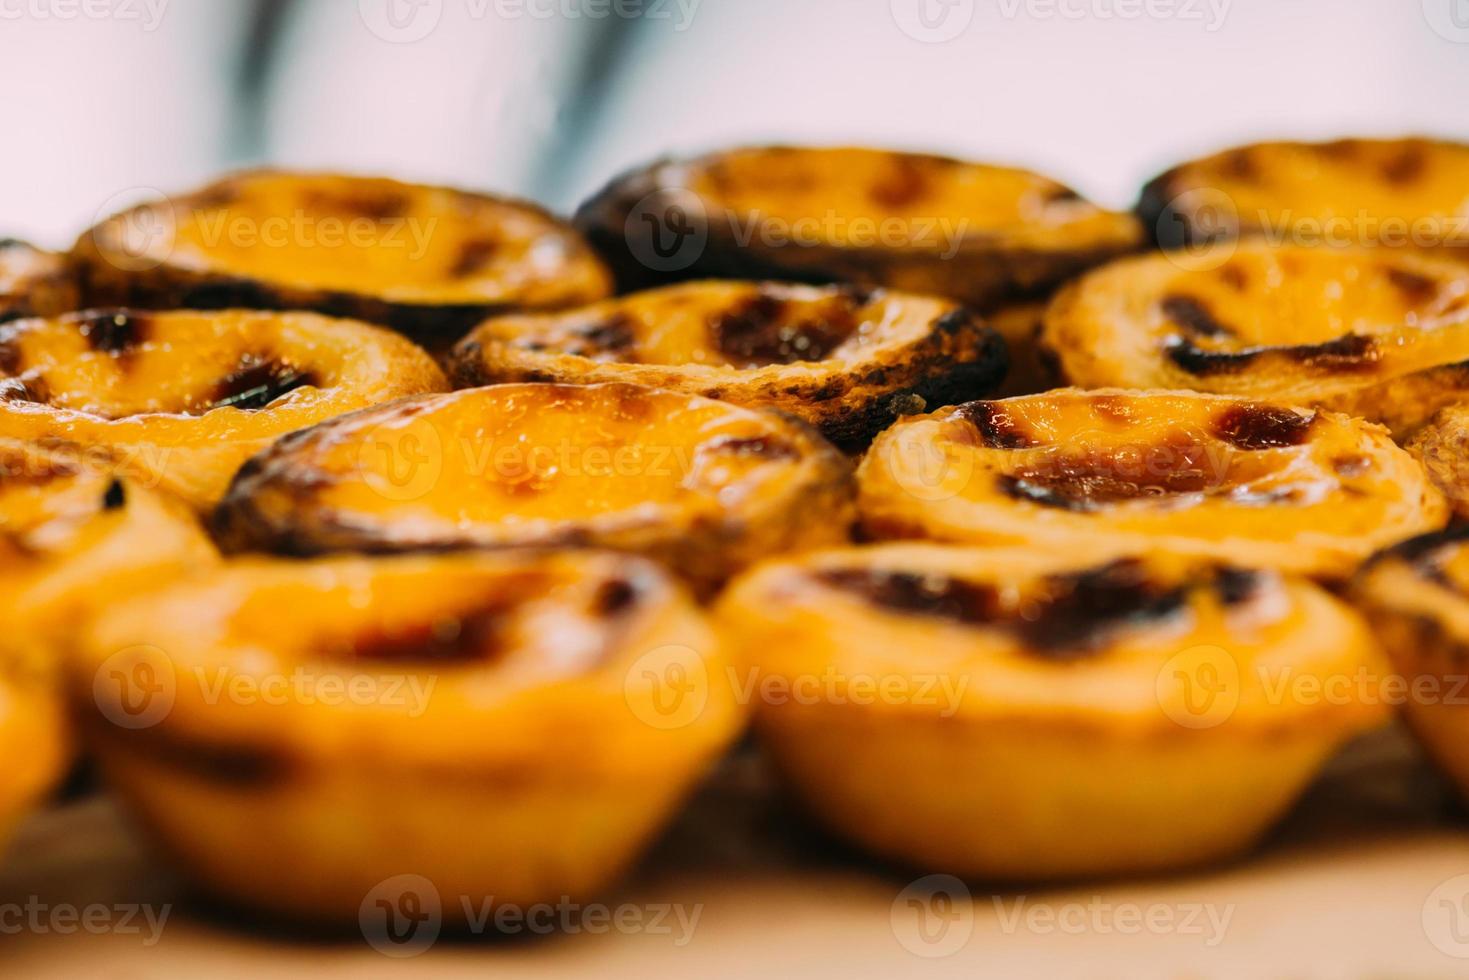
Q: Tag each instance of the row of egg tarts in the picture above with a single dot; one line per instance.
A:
(773, 326)
(1005, 691)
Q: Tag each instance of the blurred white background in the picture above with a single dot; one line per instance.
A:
(548, 98)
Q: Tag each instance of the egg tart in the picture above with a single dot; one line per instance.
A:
(180, 399)
(1116, 472)
(34, 282)
(1403, 193)
(845, 359)
(1372, 332)
(705, 486)
(1022, 714)
(428, 261)
(926, 224)
(74, 540)
(1027, 714)
(513, 726)
(1416, 595)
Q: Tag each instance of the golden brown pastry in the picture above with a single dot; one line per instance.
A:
(180, 399)
(1023, 714)
(74, 540)
(845, 359)
(704, 486)
(1416, 595)
(1113, 472)
(1032, 368)
(428, 261)
(34, 282)
(1372, 332)
(1405, 193)
(1442, 446)
(925, 224)
(508, 726)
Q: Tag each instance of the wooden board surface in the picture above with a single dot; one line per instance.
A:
(1363, 880)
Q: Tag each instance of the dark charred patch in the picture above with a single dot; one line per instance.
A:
(1070, 616)
(1235, 277)
(1417, 290)
(615, 598)
(938, 596)
(473, 254)
(115, 333)
(1262, 427)
(1062, 195)
(115, 497)
(1194, 316)
(997, 428)
(762, 331)
(473, 636)
(374, 207)
(1406, 166)
(1096, 481)
(31, 390)
(10, 358)
(1349, 353)
(1239, 165)
(1237, 585)
(757, 447)
(256, 383)
(613, 335)
(1426, 552)
(906, 183)
(1080, 613)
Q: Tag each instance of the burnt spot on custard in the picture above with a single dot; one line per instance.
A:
(996, 426)
(612, 336)
(1351, 353)
(1416, 290)
(1426, 553)
(906, 183)
(1093, 482)
(256, 383)
(615, 597)
(474, 254)
(938, 596)
(374, 207)
(1194, 316)
(115, 497)
(763, 330)
(1066, 617)
(1239, 165)
(114, 332)
(1255, 427)
(752, 447)
(10, 356)
(467, 637)
(1406, 166)
(1235, 277)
